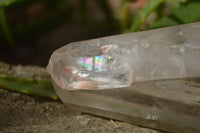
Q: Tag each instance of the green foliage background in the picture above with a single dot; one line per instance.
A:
(179, 12)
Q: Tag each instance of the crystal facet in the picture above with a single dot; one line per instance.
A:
(121, 60)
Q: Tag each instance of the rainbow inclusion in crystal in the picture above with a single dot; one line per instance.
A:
(94, 63)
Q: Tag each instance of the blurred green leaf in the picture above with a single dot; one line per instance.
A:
(35, 87)
(144, 13)
(175, 3)
(163, 22)
(187, 12)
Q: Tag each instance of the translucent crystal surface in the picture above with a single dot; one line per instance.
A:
(119, 61)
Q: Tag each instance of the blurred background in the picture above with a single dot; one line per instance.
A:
(30, 30)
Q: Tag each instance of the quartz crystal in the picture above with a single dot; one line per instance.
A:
(149, 78)
(121, 60)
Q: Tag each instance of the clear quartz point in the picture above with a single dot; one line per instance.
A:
(121, 60)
